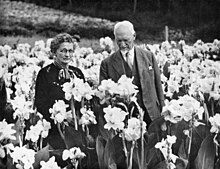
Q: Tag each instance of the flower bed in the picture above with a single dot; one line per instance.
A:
(186, 134)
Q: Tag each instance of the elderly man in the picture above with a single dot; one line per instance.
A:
(139, 64)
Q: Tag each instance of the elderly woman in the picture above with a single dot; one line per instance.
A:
(50, 80)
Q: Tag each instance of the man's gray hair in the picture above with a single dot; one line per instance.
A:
(127, 24)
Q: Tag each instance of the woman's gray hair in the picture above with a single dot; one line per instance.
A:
(125, 23)
(60, 38)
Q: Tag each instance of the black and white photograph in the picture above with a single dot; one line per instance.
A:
(110, 84)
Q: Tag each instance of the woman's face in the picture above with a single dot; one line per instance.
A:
(3, 66)
(64, 53)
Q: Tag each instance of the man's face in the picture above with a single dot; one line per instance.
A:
(3, 66)
(124, 39)
(64, 53)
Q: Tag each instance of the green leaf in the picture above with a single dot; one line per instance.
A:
(154, 157)
(182, 151)
(149, 150)
(100, 152)
(150, 140)
(9, 163)
(42, 155)
(180, 146)
(161, 165)
(17, 127)
(74, 138)
(109, 154)
(199, 134)
(181, 163)
(104, 133)
(155, 127)
(217, 164)
(206, 155)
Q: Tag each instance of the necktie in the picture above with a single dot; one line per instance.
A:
(128, 60)
(63, 73)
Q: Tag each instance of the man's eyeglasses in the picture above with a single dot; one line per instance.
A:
(64, 51)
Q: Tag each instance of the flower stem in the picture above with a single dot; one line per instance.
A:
(125, 149)
(20, 140)
(190, 141)
(167, 164)
(212, 107)
(21, 135)
(74, 113)
(61, 134)
(41, 142)
(87, 130)
(131, 155)
(76, 164)
(142, 143)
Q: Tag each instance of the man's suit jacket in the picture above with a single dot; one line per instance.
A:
(149, 73)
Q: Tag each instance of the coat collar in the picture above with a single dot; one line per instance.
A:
(142, 61)
(117, 63)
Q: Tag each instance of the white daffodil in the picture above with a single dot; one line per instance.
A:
(165, 147)
(88, 117)
(50, 164)
(6, 131)
(73, 153)
(215, 122)
(114, 118)
(59, 113)
(23, 157)
(133, 130)
(40, 129)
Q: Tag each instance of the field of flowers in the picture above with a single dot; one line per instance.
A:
(105, 134)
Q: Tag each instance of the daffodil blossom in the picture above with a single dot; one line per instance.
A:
(114, 117)
(67, 88)
(3, 66)
(6, 131)
(133, 130)
(215, 122)
(59, 113)
(165, 147)
(34, 133)
(107, 85)
(23, 157)
(46, 127)
(22, 107)
(106, 43)
(6, 149)
(185, 108)
(40, 129)
(78, 89)
(190, 107)
(88, 117)
(50, 164)
(171, 111)
(73, 154)
(125, 87)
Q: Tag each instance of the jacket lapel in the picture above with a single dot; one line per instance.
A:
(142, 62)
(117, 63)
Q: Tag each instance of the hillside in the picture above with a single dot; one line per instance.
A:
(91, 20)
(20, 18)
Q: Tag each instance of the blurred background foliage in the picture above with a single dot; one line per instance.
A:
(187, 19)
